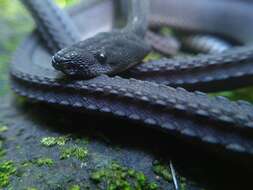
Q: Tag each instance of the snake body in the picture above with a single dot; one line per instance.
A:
(204, 72)
(41, 11)
(206, 44)
(213, 121)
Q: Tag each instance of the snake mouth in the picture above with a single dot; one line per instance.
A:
(69, 72)
(65, 69)
(55, 63)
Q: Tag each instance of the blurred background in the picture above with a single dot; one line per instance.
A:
(15, 23)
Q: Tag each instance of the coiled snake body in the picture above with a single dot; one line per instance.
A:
(189, 115)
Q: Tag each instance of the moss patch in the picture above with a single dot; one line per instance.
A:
(166, 31)
(64, 3)
(6, 170)
(182, 183)
(75, 187)
(3, 128)
(52, 141)
(77, 152)
(2, 151)
(31, 188)
(118, 177)
(44, 162)
(162, 170)
(152, 56)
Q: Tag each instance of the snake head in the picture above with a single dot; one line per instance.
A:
(105, 53)
(79, 63)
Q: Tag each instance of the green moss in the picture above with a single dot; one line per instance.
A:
(44, 162)
(64, 3)
(182, 183)
(52, 141)
(152, 56)
(31, 188)
(2, 151)
(166, 31)
(6, 170)
(162, 170)
(141, 178)
(79, 153)
(3, 128)
(243, 93)
(27, 164)
(75, 187)
(153, 186)
(116, 177)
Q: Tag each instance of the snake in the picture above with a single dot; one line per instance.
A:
(203, 71)
(206, 44)
(198, 43)
(108, 52)
(190, 116)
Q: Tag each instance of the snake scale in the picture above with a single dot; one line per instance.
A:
(189, 115)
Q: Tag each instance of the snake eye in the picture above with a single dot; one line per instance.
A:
(101, 57)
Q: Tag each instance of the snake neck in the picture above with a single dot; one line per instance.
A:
(138, 17)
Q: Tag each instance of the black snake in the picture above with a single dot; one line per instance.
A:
(189, 115)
